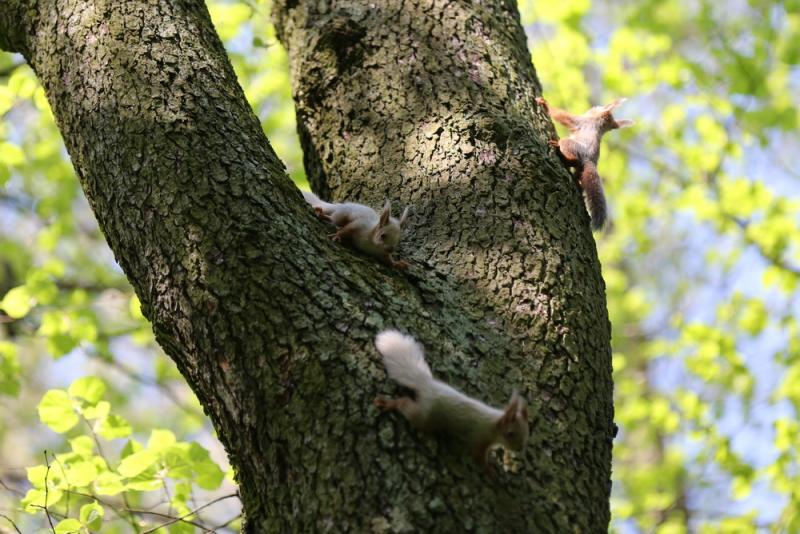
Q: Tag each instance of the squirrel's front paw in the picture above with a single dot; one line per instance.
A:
(322, 215)
(553, 143)
(541, 101)
(335, 237)
(381, 403)
(401, 264)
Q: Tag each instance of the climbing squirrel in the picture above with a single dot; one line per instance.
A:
(439, 407)
(581, 150)
(373, 234)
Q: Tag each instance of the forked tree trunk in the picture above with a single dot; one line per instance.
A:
(271, 324)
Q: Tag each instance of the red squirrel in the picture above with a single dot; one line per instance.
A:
(440, 407)
(373, 234)
(581, 150)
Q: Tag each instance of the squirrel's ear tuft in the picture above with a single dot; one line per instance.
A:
(522, 409)
(404, 217)
(386, 213)
(624, 123)
(512, 407)
(615, 104)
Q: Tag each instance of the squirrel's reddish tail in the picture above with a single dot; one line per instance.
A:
(595, 199)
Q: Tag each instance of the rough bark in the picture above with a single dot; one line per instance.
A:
(272, 324)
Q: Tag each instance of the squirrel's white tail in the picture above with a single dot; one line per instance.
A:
(315, 201)
(404, 359)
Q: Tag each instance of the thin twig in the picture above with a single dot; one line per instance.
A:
(182, 518)
(168, 516)
(228, 522)
(46, 493)
(131, 519)
(64, 472)
(162, 388)
(10, 489)
(111, 506)
(12, 522)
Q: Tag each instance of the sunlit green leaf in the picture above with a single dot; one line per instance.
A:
(88, 388)
(56, 411)
(91, 515)
(17, 302)
(137, 462)
(9, 369)
(114, 427)
(68, 526)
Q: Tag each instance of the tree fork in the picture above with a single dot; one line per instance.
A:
(271, 324)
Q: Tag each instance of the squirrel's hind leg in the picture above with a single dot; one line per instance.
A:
(405, 405)
(568, 152)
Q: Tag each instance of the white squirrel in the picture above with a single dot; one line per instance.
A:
(440, 407)
(373, 234)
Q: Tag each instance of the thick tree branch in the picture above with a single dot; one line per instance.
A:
(434, 104)
(14, 16)
(272, 324)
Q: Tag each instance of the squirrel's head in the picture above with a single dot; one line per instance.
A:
(513, 425)
(603, 118)
(389, 230)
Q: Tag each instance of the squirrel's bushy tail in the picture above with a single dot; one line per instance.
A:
(403, 358)
(595, 199)
(315, 201)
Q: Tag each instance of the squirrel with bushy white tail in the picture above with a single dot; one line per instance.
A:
(440, 407)
(373, 234)
(581, 149)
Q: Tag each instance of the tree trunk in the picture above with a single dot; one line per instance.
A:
(272, 324)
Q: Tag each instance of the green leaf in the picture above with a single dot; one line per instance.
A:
(181, 528)
(83, 446)
(130, 447)
(11, 154)
(34, 500)
(98, 411)
(135, 308)
(36, 475)
(57, 412)
(179, 465)
(228, 18)
(9, 369)
(147, 480)
(209, 475)
(145, 484)
(68, 526)
(114, 427)
(160, 439)
(181, 493)
(65, 330)
(17, 302)
(81, 474)
(109, 483)
(89, 388)
(91, 515)
(136, 463)
(41, 287)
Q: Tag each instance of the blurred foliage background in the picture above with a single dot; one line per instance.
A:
(701, 265)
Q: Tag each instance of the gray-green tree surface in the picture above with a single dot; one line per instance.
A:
(272, 324)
